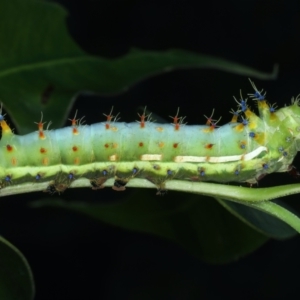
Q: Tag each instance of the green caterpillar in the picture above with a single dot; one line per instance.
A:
(244, 150)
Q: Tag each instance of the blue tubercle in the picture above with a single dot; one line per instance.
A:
(1, 116)
(245, 121)
(258, 95)
(242, 104)
(265, 166)
(273, 108)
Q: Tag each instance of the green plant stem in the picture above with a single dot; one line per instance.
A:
(227, 192)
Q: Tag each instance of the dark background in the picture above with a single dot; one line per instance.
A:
(73, 257)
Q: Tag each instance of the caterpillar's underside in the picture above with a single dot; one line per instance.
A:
(243, 150)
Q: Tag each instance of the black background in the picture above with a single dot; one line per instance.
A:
(73, 257)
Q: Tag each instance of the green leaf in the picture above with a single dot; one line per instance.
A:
(42, 69)
(263, 222)
(16, 280)
(277, 211)
(198, 224)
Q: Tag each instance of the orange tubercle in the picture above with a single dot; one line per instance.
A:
(263, 105)
(248, 113)
(273, 116)
(9, 148)
(176, 126)
(42, 135)
(239, 127)
(142, 122)
(177, 121)
(209, 146)
(234, 119)
(40, 126)
(5, 128)
(75, 130)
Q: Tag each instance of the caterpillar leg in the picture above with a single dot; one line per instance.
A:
(97, 183)
(293, 172)
(161, 191)
(60, 183)
(119, 185)
(123, 177)
(99, 177)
